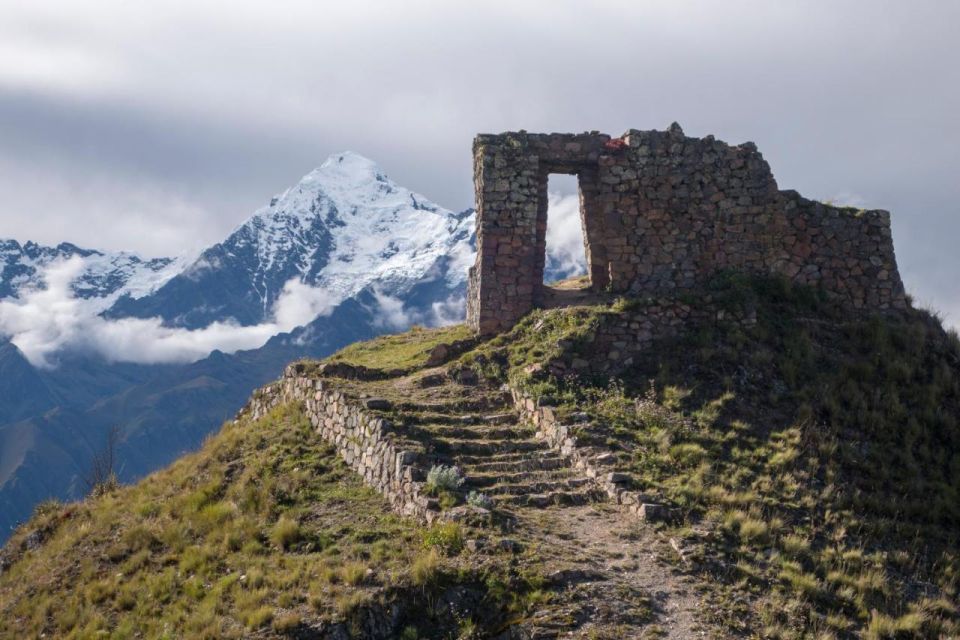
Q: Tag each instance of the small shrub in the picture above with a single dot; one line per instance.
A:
(688, 453)
(444, 536)
(467, 629)
(138, 538)
(148, 509)
(754, 530)
(47, 507)
(330, 575)
(482, 500)
(348, 603)
(443, 478)
(448, 500)
(286, 533)
(794, 545)
(259, 618)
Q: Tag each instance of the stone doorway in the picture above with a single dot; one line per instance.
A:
(579, 179)
(565, 245)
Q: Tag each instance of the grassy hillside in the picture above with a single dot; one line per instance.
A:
(812, 457)
(264, 531)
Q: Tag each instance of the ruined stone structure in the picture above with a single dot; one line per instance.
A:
(662, 213)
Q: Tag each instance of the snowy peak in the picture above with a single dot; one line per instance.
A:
(349, 170)
(351, 183)
(344, 227)
(103, 275)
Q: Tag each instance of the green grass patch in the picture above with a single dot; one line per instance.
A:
(408, 350)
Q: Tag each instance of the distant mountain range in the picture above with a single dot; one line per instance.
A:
(344, 255)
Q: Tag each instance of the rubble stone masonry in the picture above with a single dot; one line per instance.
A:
(362, 438)
(661, 214)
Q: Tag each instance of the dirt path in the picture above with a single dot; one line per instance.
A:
(608, 581)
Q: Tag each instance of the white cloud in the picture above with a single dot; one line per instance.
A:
(214, 106)
(43, 322)
(449, 311)
(300, 303)
(392, 314)
(565, 250)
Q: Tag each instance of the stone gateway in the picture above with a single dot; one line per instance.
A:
(662, 213)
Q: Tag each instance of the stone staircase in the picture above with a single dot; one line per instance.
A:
(498, 455)
(599, 575)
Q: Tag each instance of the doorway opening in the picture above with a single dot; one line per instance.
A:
(565, 250)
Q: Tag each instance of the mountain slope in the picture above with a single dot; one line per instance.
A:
(344, 227)
(365, 254)
(811, 455)
(162, 411)
(23, 391)
(807, 458)
(262, 533)
(102, 275)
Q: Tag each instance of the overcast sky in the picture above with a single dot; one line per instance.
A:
(158, 127)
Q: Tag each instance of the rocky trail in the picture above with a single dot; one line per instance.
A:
(604, 578)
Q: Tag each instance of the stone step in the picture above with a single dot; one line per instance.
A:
(547, 487)
(456, 447)
(540, 500)
(507, 462)
(481, 480)
(434, 417)
(483, 405)
(459, 432)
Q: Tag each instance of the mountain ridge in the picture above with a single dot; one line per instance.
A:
(343, 226)
(319, 221)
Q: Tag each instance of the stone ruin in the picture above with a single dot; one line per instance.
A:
(661, 214)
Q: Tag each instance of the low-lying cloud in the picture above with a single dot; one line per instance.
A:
(565, 249)
(392, 314)
(45, 321)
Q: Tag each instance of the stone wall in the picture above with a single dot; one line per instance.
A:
(361, 437)
(662, 213)
(620, 335)
(593, 462)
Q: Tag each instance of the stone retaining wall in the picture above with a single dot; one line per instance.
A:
(362, 438)
(612, 345)
(592, 461)
(620, 336)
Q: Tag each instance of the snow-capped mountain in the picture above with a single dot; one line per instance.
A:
(379, 256)
(343, 228)
(104, 275)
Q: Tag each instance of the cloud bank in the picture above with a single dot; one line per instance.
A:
(45, 321)
(565, 249)
(113, 144)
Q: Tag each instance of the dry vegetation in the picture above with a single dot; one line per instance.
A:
(814, 458)
(263, 531)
